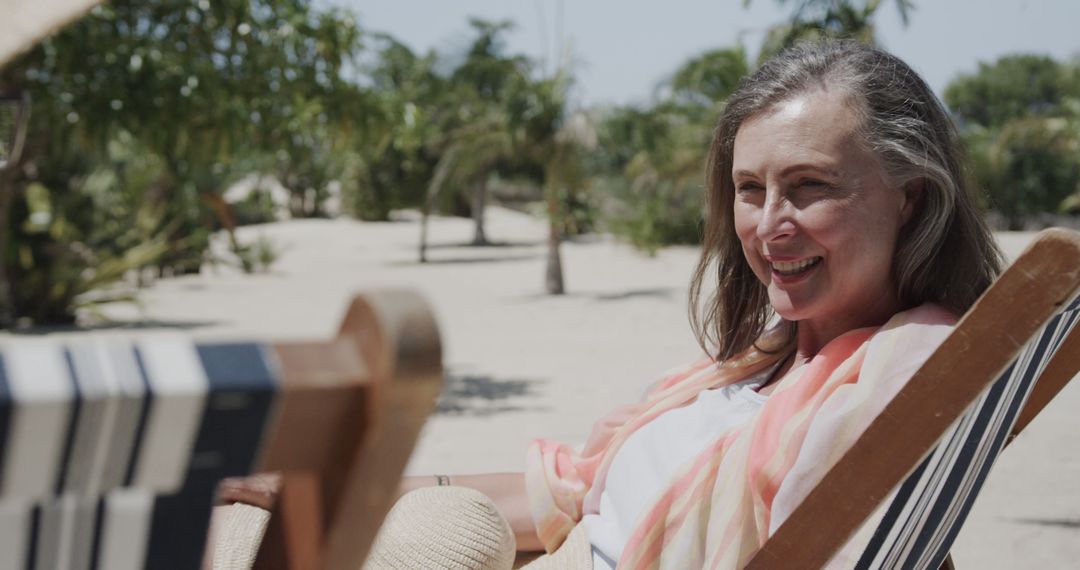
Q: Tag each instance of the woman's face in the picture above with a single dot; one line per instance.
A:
(817, 221)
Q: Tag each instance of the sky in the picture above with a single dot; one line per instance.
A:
(621, 50)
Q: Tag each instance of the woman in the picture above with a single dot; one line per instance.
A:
(839, 211)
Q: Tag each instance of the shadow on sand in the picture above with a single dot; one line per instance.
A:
(482, 246)
(480, 396)
(462, 260)
(1059, 523)
(662, 292)
(134, 326)
(608, 296)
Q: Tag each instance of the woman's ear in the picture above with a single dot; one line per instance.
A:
(913, 193)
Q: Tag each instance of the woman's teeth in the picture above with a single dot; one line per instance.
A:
(793, 267)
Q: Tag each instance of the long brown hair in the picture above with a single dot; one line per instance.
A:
(945, 255)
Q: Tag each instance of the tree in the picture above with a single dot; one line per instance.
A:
(1019, 116)
(1029, 166)
(196, 85)
(480, 87)
(818, 19)
(554, 140)
(710, 77)
(650, 160)
(394, 160)
(1013, 87)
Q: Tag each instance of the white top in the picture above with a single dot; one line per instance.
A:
(645, 464)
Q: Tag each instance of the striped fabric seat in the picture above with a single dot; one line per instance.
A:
(929, 508)
(111, 449)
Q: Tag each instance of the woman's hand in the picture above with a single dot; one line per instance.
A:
(259, 490)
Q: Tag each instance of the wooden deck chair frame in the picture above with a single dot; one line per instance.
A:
(1027, 298)
(111, 449)
(350, 415)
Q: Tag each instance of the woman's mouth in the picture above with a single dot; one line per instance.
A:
(794, 268)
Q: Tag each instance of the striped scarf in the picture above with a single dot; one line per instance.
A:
(723, 504)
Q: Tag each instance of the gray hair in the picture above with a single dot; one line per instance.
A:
(945, 255)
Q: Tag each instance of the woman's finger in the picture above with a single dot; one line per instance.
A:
(258, 490)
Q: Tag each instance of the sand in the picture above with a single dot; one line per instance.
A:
(522, 364)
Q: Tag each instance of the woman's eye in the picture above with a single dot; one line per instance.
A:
(749, 187)
(811, 183)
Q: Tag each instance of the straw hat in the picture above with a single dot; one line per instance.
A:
(25, 22)
(453, 528)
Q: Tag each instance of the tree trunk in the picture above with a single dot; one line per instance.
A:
(553, 281)
(225, 215)
(425, 211)
(442, 170)
(479, 196)
(7, 300)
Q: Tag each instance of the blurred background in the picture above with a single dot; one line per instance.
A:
(157, 124)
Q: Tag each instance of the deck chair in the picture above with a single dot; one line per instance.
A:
(111, 449)
(948, 424)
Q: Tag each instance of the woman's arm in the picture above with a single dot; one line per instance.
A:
(506, 490)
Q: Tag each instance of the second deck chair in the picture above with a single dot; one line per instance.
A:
(930, 450)
(111, 449)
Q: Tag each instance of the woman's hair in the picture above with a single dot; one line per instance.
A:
(945, 254)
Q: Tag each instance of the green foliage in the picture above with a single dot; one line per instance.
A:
(1021, 119)
(1029, 166)
(72, 248)
(813, 20)
(1013, 87)
(146, 112)
(667, 215)
(141, 111)
(710, 77)
(651, 160)
(259, 256)
(390, 162)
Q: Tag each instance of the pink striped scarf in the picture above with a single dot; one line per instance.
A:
(722, 505)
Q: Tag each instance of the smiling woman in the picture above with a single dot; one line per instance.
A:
(840, 152)
(838, 212)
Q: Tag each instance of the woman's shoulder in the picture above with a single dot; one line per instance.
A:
(926, 318)
(930, 314)
(910, 337)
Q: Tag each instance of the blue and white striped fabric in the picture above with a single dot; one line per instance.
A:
(110, 450)
(928, 509)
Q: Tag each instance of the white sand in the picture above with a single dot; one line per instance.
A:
(522, 364)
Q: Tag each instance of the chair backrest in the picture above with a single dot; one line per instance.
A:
(111, 449)
(930, 450)
(927, 511)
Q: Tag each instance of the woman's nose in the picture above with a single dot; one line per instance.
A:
(776, 218)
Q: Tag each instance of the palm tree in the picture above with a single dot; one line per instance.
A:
(469, 154)
(815, 19)
(480, 86)
(554, 140)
